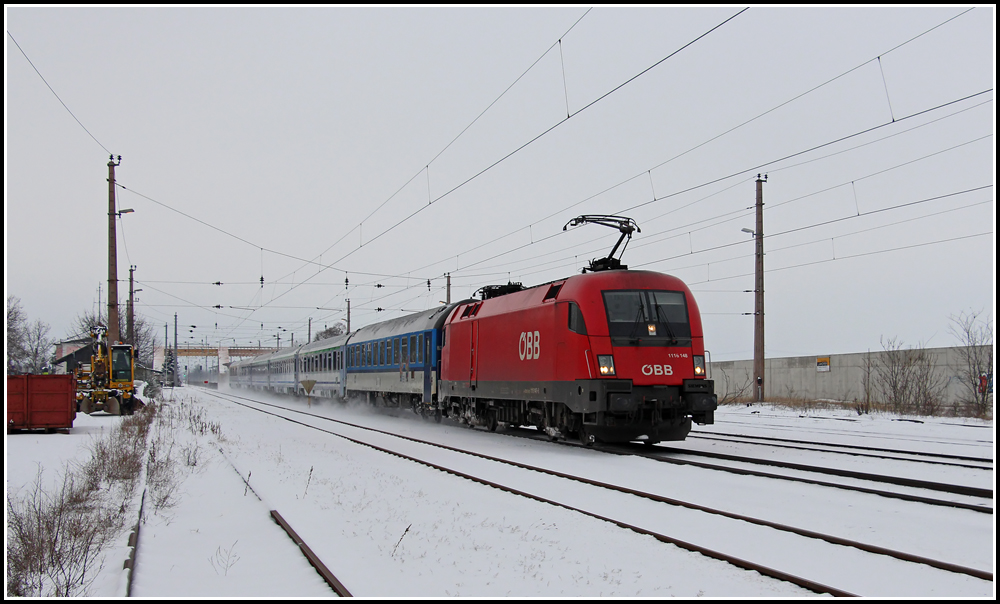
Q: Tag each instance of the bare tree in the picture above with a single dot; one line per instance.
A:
(927, 384)
(145, 333)
(734, 390)
(892, 371)
(337, 329)
(975, 352)
(906, 380)
(38, 347)
(867, 385)
(17, 323)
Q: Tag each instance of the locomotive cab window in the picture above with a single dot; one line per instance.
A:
(647, 318)
(576, 322)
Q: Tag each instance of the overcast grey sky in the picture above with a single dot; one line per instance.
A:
(310, 145)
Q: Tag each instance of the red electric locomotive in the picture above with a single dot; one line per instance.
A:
(609, 355)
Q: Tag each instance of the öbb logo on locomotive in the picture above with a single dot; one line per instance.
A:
(528, 347)
(657, 370)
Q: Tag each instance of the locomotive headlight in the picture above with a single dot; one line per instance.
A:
(651, 327)
(606, 364)
(699, 366)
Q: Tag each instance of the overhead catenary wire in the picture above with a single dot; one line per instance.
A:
(540, 135)
(58, 98)
(426, 168)
(794, 98)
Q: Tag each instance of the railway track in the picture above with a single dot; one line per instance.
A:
(320, 567)
(675, 455)
(335, 584)
(450, 466)
(775, 425)
(960, 461)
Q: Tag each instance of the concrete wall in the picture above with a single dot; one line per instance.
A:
(800, 377)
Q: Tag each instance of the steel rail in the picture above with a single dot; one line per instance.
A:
(311, 556)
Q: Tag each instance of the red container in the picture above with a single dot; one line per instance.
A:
(41, 402)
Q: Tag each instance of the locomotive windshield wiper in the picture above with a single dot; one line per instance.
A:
(666, 323)
(635, 324)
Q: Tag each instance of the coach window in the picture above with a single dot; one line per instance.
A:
(420, 349)
(413, 346)
(395, 351)
(402, 351)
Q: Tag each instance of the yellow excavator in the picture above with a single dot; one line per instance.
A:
(107, 383)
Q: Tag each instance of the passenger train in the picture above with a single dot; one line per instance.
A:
(607, 355)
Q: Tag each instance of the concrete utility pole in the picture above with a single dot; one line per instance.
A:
(348, 316)
(176, 380)
(758, 323)
(448, 289)
(131, 305)
(113, 330)
(309, 334)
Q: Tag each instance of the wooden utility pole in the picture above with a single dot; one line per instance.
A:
(758, 323)
(114, 335)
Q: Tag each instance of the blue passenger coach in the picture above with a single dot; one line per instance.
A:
(397, 362)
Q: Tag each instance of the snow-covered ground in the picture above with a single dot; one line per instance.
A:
(389, 527)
